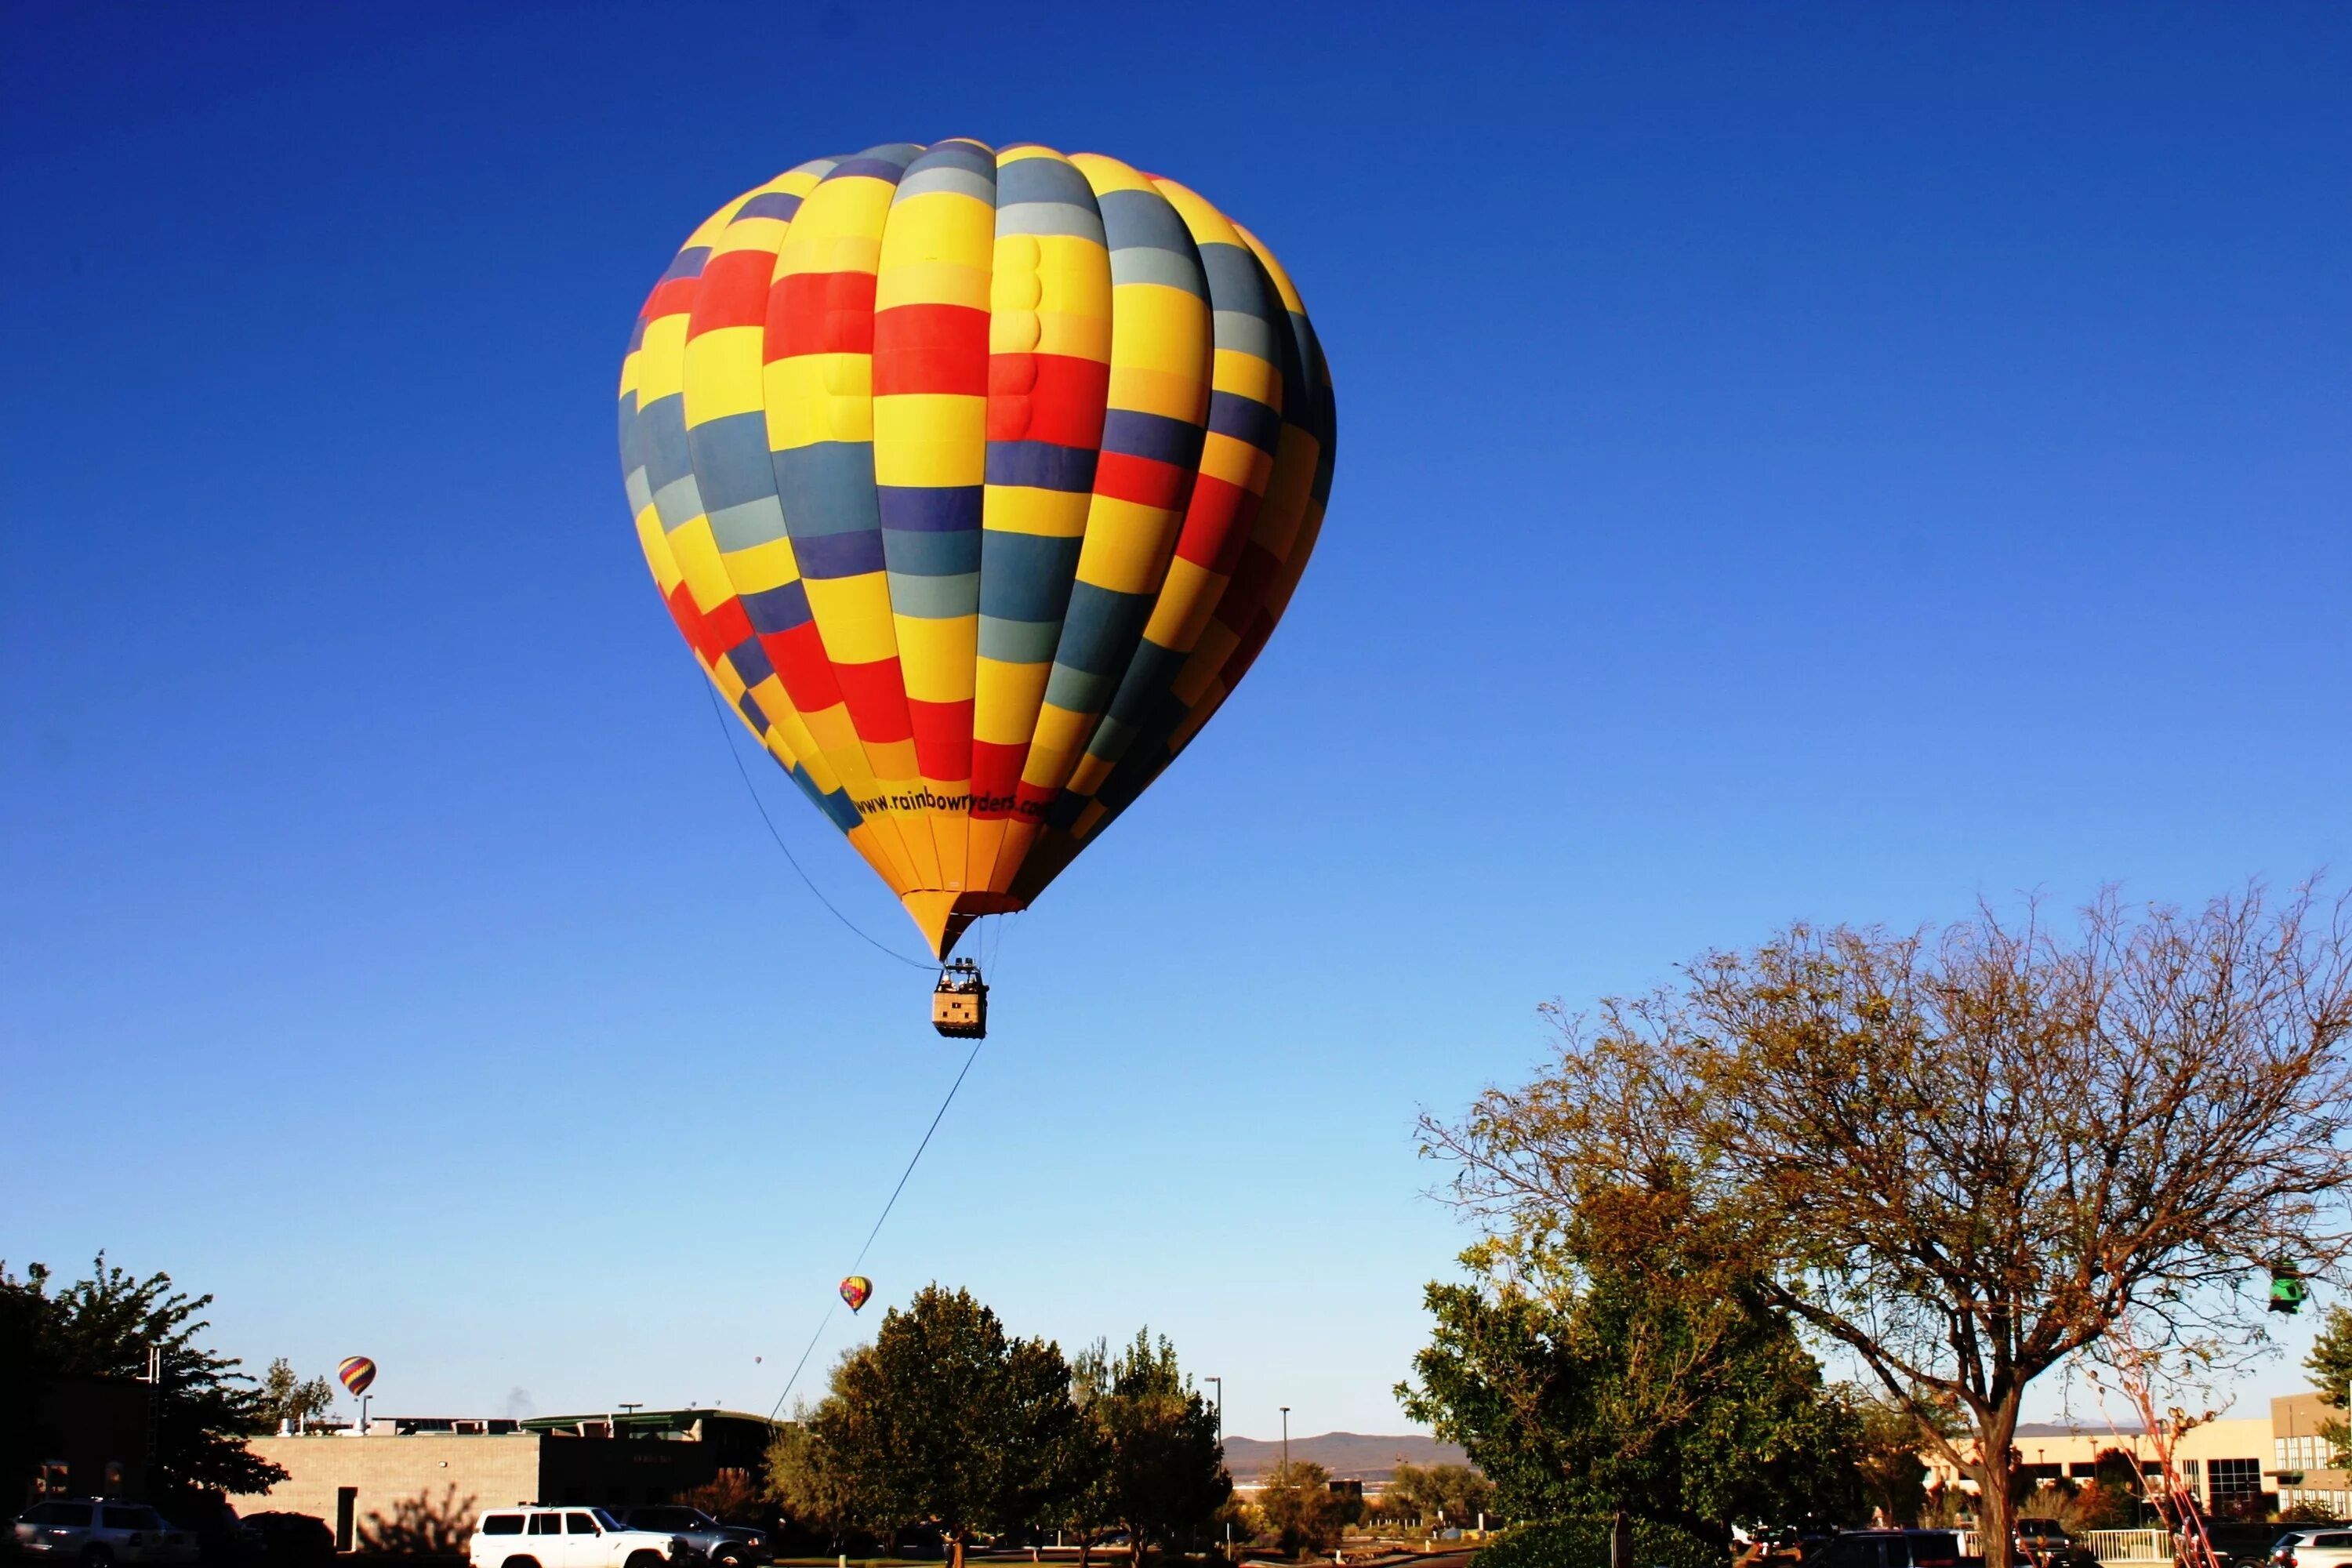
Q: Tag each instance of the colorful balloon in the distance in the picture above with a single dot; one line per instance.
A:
(357, 1372)
(855, 1290)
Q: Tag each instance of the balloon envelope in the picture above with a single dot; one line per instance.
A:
(976, 478)
(855, 1290)
(357, 1372)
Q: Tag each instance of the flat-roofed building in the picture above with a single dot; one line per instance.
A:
(410, 1481)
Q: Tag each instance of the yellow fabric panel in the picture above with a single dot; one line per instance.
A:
(1059, 732)
(1236, 462)
(895, 760)
(698, 561)
(869, 843)
(655, 544)
(935, 657)
(1166, 331)
(760, 567)
(853, 615)
(778, 748)
(1251, 377)
(1020, 508)
(1002, 690)
(1209, 655)
(1287, 490)
(710, 228)
(1126, 546)
(1178, 396)
(751, 233)
(1208, 225)
(950, 237)
(1089, 775)
(1187, 600)
(931, 438)
(819, 397)
(930, 282)
(1282, 284)
(629, 373)
(838, 227)
(785, 719)
(833, 732)
(661, 361)
(1106, 175)
(731, 685)
(722, 373)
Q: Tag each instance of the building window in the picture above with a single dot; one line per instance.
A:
(2228, 1481)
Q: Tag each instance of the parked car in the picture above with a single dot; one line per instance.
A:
(100, 1531)
(214, 1527)
(537, 1536)
(286, 1540)
(730, 1545)
(2314, 1549)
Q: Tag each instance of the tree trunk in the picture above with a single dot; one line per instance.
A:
(1997, 1515)
(1620, 1541)
(955, 1549)
(1085, 1548)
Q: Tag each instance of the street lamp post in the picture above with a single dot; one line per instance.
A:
(1286, 1445)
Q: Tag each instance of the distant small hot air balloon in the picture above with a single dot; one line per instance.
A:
(357, 1372)
(855, 1290)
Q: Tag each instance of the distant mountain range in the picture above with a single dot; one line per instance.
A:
(1347, 1455)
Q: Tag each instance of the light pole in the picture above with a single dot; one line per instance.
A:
(1286, 1445)
(1221, 1451)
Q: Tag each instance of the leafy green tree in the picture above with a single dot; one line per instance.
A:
(805, 1483)
(287, 1397)
(1625, 1366)
(945, 1419)
(2330, 1365)
(1300, 1509)
(105, 1326)
(1150, 1462)
(1454, 1494)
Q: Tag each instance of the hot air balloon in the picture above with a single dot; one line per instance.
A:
(357, 1372)
(976, 479)
(855, 1290)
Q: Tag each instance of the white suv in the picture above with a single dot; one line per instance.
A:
(97, 1531)
(539, 1537)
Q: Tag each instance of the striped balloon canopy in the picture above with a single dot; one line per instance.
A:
(976, 478)
(856, 1290)
(357, 1372)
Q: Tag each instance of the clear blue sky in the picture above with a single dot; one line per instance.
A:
(1794, 461)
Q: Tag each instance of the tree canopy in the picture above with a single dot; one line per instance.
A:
(1968, 1154)
(104, 1326)
(1149, 1459)
(1579, 1386)
(946, 1419)
(286, 1396)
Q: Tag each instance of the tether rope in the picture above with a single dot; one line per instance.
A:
(936, 1118)
(727, 732)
